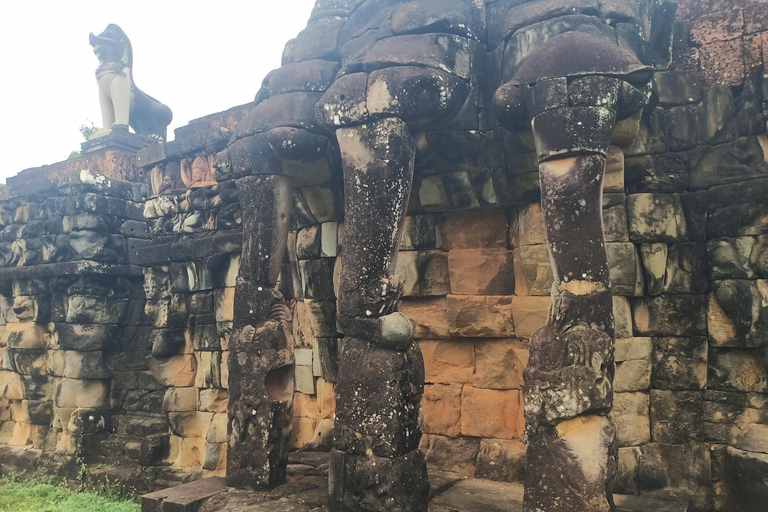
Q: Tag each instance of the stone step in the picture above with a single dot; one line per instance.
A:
(474, 495)
(184, 498)
(658, 501)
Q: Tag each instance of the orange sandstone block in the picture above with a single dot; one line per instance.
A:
(491, 413)
(500, 364)
(474, 229)
(442, 410)
(448, 361)
(488, 316)
(428, 317)
(481, 272)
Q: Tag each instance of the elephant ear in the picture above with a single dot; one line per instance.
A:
(186, 172)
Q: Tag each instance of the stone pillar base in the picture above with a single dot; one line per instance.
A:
(373, 484)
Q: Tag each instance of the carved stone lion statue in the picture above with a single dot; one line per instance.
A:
(122, 103)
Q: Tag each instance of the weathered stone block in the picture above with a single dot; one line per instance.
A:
(686, 264)
(501, 460)
(480, 316)
(204, 336)
(737, 370)
(680, 363)
(180, 399)
(167, 342)
(304, 380)
(208, 374)
(730, 258)
(440, 51)
(491, 413)
(632, 349)
(739, 160)
(85, 337)
(317, 278)
(481, 272)
(624, 265)
(89, 309)
(448, 361)
(85, 365)
(614, 170)
(442, 410)
(654, 257)
(615, 223)
(533, 270)
(529, 313)
(428, 317)
(481, 229)
(632, 375)
(25, 335)
(499, 364)
(451, 454)
(217, 429)
(423, 273)
(224, 299)
(384, 420)
(676, 416)
(626, 473)
(419, 232)
(400, 482)
(631, 415)
(81, 393)
(656, 218)
(315, 319)
(174, 371)
(527, 227)
(684, 466)
(747, 475)
(677, 87)
(670, 315)
(622, 317)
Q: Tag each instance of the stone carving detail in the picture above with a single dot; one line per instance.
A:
(197, 172)
(161, 181)
(122, 103)
(572, 101)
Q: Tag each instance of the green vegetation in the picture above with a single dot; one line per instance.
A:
(86, 131)
(47, 495)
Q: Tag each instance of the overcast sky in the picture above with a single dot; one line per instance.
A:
(197, 57)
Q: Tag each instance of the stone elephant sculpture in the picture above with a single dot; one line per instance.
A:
(364, 94)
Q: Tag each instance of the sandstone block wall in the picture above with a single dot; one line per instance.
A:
(118, 300)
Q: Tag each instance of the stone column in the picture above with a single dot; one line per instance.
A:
(261, 346)
(572, 105)
(376, 464)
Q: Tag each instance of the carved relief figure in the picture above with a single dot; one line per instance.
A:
(161, 181)
(198, 172)
(122, 103)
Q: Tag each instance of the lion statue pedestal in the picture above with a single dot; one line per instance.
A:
(123, 104)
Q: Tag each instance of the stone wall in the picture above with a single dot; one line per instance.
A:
(684, 209)
(72, 307)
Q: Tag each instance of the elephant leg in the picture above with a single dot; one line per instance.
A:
(376, 464)
(571, 442)
(261, 364)
(571, 445)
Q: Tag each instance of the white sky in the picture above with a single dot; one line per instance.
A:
(198, 57)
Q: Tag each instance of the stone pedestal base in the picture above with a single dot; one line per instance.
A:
(122, 140)
(373, 484)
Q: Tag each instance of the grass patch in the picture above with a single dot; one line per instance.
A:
(44, 497)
